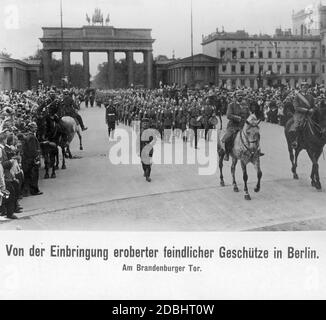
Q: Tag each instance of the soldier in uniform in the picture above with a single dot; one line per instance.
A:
(167, 123)
(183, 118)
(110, 116)
(207, 115)
(31, 161)
(237, 113)
(92, 97)
(177, 121)
(159, 120)
(86, 97)
(304, 105)
(69, 109)
(152, 118)
(146, 148)
(288, 109)
(195, 121)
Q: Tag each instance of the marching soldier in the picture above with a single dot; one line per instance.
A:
(110, 116)
(92, 97)
(167, 120)
(183, 122)
(146, 148)
(152, 118)
(195, 121)
(86, 97)
(207, 115)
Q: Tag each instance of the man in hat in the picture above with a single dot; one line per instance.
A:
(146, 148)
(92, 94)
(237, 114)
(304, 105)
(86, 96)
(167, 121)
(272, 113)
(69, 109)
(31, 161)
(4, 194)
(195, 121)
(8, 206)
(7, 111)
(110, 116)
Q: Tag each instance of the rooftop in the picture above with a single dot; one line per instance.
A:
(242, 34)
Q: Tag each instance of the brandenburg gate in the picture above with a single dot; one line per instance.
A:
(98, 39)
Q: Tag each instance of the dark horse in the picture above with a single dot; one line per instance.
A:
(52, 135)
(312, 139)
(49, 150)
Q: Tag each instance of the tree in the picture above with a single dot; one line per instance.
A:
(77, 75)
(36, 56)
(101, 80)
(56, 72)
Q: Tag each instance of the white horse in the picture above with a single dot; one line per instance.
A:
(246, 149)
(72, 128)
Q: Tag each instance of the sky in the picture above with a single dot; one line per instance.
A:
(21, 21)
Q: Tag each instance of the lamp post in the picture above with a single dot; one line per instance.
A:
(65, 78)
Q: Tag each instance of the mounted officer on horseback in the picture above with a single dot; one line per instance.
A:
(306, 130)
(304, 107)
(237, 114)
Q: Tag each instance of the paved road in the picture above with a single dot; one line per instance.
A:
(94, 194)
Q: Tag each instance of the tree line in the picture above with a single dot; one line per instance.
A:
(101, 80)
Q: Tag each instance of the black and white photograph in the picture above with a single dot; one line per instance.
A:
(160, 116)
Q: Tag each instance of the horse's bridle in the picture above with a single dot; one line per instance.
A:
(242, 133)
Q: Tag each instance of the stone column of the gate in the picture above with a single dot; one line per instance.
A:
(86, 68)
(66, 63)
(47, 57)
(111, 62)
(130, 64)
(148, 61)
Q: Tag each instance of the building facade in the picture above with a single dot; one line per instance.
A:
(200, 70)
(260, 61)
(19, 75)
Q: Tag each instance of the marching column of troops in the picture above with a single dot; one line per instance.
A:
(170, 110)
(165, 113)
(166, 110)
